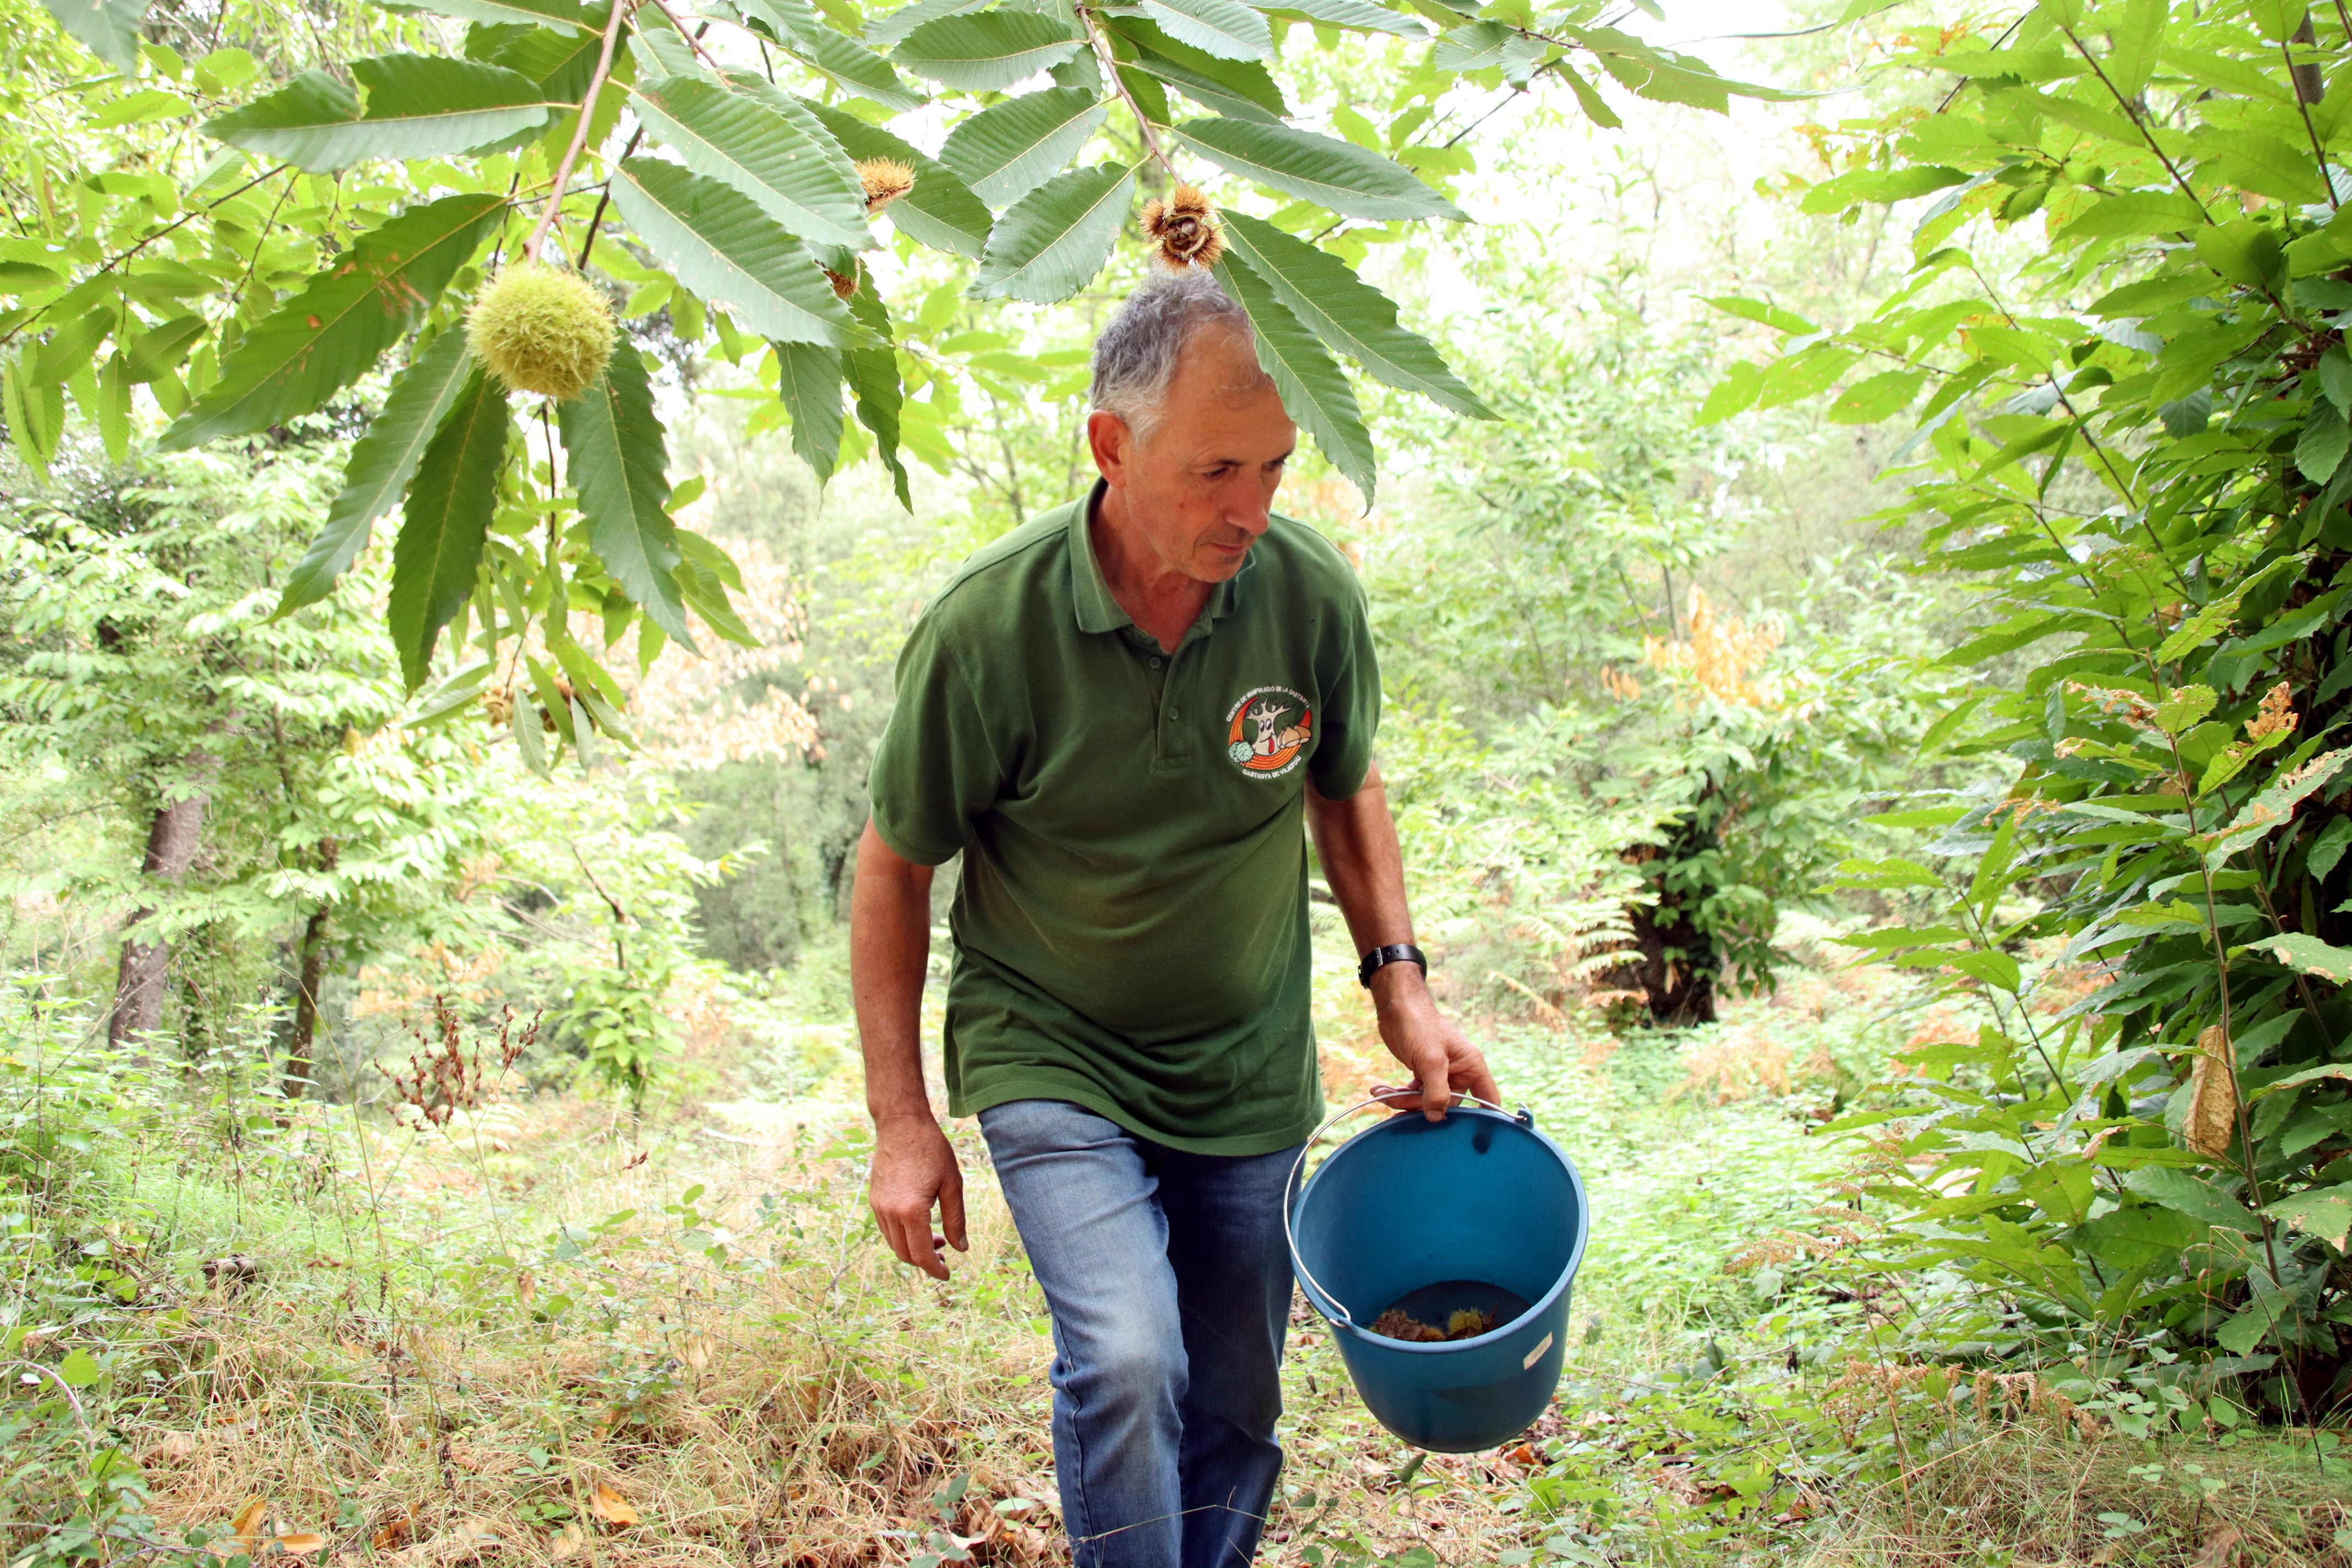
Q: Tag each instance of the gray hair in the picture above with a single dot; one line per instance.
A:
(1137, 355)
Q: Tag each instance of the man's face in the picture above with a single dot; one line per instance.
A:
(1199, 490)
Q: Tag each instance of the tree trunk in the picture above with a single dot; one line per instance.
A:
(173, 839)
(1681, 985)
(1676, 962)
(312, 975)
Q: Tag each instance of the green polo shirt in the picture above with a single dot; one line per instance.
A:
(1130, 927)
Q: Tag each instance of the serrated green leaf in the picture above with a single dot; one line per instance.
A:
(1053, 241)
(663, 51)
(2276, 19)
(1588, 97)
(1313, 388)
(1356, 14)
(1151, 97)
(143, 107)
(725, 249)
(704, 576)
(2281, 170)
(448, 514)
(551, 698)
(73, 346)
(892, 25)
(2144, 1235)
(810, 385)
(108, 29)
(805, 120)
(988, 52)
(941, 211)
(2183, 708)
(2194, 1197)
(1239, 89)
(615, 454)
(1320, 169)
(1225, 28)
(1005, 152)
(159, 351)
(1877, 397)
(2134, 213)
(418, 106)
(2308, 954)
(80, 1369)
(2323, 1212)
(848, 64)
(1664, 76)
(1992, 965)
(2336, 377)
(560, 65)
(1762, 314)
(2132, 44)
(1855, 186)
(874, 380)
(380, 467)
(2328, 847)
(2319, 449)
(1892, 872)
(561, 15)
(729, 137)
(532, 740)
(1348, 313)
(1480, 45)
(333, 332)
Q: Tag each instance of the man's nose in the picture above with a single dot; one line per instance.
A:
(1250, 509)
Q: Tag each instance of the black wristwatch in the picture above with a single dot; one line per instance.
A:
(1400, 952)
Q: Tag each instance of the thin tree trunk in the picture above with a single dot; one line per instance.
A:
(312, 974)
(173, 839)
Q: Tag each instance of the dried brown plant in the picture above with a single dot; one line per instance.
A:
(443, 1077)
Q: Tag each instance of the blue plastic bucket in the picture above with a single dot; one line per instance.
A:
(1480, 1210)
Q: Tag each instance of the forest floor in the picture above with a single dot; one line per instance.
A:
(534, 1334)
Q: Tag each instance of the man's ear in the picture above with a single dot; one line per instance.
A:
(1113, 445)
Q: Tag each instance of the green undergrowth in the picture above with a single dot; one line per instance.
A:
(474, 1337)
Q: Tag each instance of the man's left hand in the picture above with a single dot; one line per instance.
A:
(1441, 1060)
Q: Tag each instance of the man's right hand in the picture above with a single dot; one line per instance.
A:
(913, 1169)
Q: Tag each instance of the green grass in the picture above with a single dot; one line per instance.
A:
(517, 1334)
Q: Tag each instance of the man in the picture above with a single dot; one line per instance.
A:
(1118, 715)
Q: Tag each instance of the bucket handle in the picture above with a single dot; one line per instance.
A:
(1525, 1117)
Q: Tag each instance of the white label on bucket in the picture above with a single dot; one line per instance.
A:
(1536, 1354)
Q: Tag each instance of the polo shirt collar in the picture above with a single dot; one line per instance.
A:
(1090, 595)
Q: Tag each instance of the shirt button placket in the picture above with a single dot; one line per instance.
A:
(1171, 739)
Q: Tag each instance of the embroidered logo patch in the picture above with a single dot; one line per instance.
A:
(1267, 731)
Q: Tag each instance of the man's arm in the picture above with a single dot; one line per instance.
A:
(890, 949)
(1356, 840)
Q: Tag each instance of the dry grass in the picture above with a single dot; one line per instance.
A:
(798, 1399)
(443, 1344)
(2034, 1497)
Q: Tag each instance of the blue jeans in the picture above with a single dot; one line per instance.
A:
(1170, 1283)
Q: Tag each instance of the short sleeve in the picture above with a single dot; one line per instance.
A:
(935, 771)
(1351, 702)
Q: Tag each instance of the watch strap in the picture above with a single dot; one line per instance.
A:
(1396, 953)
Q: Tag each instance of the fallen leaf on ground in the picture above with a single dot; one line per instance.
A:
(611, 1506)
(394, 1532)
(300, 1544)
(566, 1543)
(2220, 1545)
(246, 1521)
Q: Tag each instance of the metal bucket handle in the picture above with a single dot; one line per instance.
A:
(1525, 1117)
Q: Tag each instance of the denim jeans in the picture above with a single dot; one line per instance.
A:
(1170, 1283)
